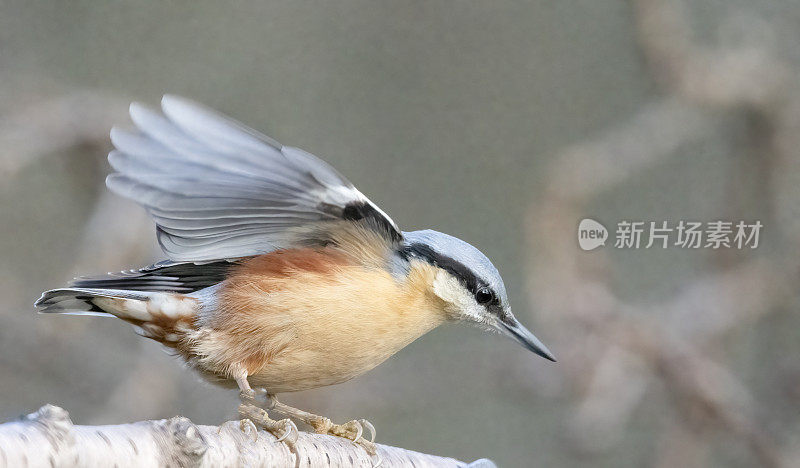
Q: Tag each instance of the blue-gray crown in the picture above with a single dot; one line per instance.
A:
(461, 258)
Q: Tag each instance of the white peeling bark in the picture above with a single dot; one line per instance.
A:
(47, 438)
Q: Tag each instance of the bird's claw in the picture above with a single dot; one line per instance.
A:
(290, 429)
(352, 430)
(369, 445)
(245, 426)
(248, 427)
(359, 428)
(370, 428)
(284, 430)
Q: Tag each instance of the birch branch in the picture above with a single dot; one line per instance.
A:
(47, 438)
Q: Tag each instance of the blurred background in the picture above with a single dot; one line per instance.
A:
(504, 123)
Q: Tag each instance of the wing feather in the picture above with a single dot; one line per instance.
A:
(219, 190)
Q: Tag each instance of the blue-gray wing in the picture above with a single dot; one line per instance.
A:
(219, 190)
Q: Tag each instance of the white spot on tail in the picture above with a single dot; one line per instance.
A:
(124, 308)
(157, 305)
(171, 306)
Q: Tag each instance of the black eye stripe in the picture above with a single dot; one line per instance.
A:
(454, 267)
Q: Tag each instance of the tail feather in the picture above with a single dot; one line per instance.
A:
(90, 301)
(161, 316)
(153, 299)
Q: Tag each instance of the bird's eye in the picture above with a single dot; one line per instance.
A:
(484, 295)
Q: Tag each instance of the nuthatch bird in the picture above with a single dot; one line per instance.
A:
(281, 276)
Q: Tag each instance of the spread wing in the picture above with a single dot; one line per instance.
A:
(219, 190)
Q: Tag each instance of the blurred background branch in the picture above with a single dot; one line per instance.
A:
(618, 348)
(47, 126)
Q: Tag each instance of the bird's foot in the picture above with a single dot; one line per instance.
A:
(352, 430)
(284, 430)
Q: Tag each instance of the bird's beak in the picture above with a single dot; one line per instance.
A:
(521, 335)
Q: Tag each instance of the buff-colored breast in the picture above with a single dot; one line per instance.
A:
(302, 319)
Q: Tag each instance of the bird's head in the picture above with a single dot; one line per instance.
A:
(469, 285)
